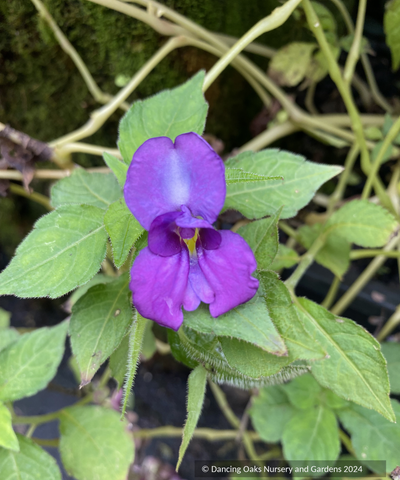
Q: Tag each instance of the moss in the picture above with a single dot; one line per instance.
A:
(43, 94)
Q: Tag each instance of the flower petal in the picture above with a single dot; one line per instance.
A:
(210, 238)
(162, 237)
(158, 286)
(228, 271)
(163, 176)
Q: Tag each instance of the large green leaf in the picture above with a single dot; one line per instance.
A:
(4, 318)
(270, 412)
(80, 292)
(196, 390)
(89, 188)
(64, 250)
(311, 435)
(118, 167)
(391, 23)
(289, 64)
(262, 237)
(8, 336)
(300, 344)
(250, 322)
(118, 361)
(28, 365)
(373, 437)
(334, 255)
(285, 258)
(301, 180)
(237, 175)
(30, 463)
(363, 223)
(167, 114)
(123, 229)
(304, 392)
(8, 439)
(95, 444)
(356, 369)
(99, 321)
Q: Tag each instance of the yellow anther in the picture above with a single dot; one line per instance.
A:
(191, 242)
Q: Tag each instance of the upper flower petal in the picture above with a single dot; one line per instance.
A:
(159, 285)
(228, 271)
(163, 176)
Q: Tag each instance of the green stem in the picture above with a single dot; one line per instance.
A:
(354, 53)
(44, 442)
(305, 262)
(390, 325)
(345, 439)
(88, 148)
(291, 232)
(363, 279)
(206, 433)
(392, 134)
(272, 21)
(36, 197)
(331, 295)
(357, 254)
(270, 136)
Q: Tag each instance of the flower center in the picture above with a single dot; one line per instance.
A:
(191, 242)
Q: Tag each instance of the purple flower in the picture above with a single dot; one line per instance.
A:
(176, 192)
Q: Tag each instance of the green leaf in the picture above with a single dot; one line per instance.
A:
(118, 361)
(4, 319)
(123, 229)
(196, 390)
(95, 444)
(262, 237)
(391, 351)
(373, 133)
(325, 16)
(31, 462)
(284, 315)
(301, 180)
(363, 223)
(317, 70)
(387, 124)
(347, 41)
(373, 437)
(289, 64)
(64, 250)
(177, 349)
(99, 321)
(7, 337)
(118, 167)
(304, 392)
(355, 369)
(249, 322)
(270, 412)
(135, 347)
(28, 365)
(334, 255)
(8, 439)
(237, 175)
(285, 258)
(96, 280)
(86, 188)
(391, 23)
(311, 435)
(167, 114)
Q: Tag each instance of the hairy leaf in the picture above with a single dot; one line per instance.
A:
(355, 369)
(63, 251)
(123, 229)
(118, 361)
(99, 321)
(391, 351)
(8, 439)
(196, 390)
(86, 188)
(363, 223)
(304, 392)
(7, 337)
(167, 114)
(249, 322)
(94, 443)
(118, 167)
(301, 180)
(237, 175)
(262, 237)
(373, 437)
(285, 258)
(31, 462)
(28, 365)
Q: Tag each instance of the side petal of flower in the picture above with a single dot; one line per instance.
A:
(163, 176)
(228, 271)
(158, 286)
(162, 237)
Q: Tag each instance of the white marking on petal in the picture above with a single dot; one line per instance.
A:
(177, 181)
